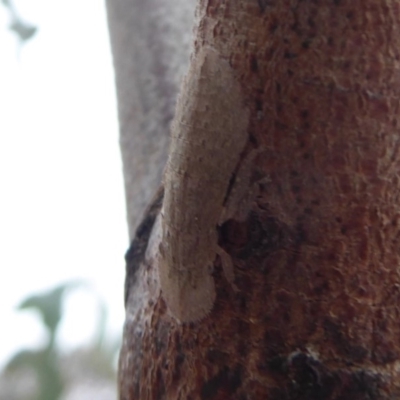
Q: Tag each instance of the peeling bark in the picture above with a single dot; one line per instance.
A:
(317, 257)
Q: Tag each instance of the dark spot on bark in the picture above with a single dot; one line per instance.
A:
(253, 140)
(179, 359)
(384, 354)
(383, 351)
(337, 2)
(192, 325)
(309, 379)
(225, 382)
(332, 329)
(263, 4)
(365, 383)
(253, 63)
(160, 342)
(330, 41)
(304, 114)
(236, 379)
(353, 352)
(331, 256)
(305, 372)
(343, 229)
(259, 105)
(217, 357)
(177, 372)
(350, 15)
(295, 27)
(273, 26)
(321, 288)
(301, 233)
(289, 55)
(242, 303)
(266, 235)
(280, 125)
(178, 344)
(296, 189)
(346, 65)
(254, 237)
(290, 72)
(274, 344)
(137, 386)
(278, 87)
(234, 234)
(277, 365)
(306, 156)
(159, 385)
(242, 348)
(311, 23)
(306, 44)
(243, 331)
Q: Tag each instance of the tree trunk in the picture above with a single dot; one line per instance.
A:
(310, 308)
(150, 42)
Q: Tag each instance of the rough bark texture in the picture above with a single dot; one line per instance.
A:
(150, 42)
(317, 259)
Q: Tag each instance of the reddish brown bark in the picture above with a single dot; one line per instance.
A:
(317, 260)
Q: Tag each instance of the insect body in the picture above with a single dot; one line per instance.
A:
(209, 133)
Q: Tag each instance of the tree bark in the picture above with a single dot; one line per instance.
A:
(313, 310)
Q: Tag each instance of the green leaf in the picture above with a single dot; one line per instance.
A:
(49, 304)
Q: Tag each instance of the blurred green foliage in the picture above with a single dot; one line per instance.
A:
(46, 362)
(21, 28)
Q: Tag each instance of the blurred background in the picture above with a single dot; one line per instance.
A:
(63, 232)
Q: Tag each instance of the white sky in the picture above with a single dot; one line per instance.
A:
(62, 210)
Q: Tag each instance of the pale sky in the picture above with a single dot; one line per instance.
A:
(62, 209)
